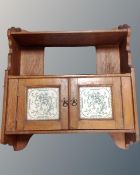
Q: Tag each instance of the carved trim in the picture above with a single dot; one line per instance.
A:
(119, 140)
(123, 140)
(9, 31)
(123, 26)
(14, 52)
(21, 142)
(128, 39)
(125, 52)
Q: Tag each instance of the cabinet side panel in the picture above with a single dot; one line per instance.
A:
(135, 104)
(125, 58)
(3, 126)
(13, 56)
(108, 59)
(12, 105)
(32, 61)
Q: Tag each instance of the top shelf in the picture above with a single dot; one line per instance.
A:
(69, 38)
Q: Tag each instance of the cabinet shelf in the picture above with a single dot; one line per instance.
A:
(69, 38)
(72, 131)
(69, 76)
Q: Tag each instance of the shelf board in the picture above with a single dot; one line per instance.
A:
(69, 38)
(72, 131)
(69, 76)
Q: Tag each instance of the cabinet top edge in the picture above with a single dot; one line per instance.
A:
(69, 38)
(69, 32)
(69, 76)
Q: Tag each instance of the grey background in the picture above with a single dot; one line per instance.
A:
(73, 154)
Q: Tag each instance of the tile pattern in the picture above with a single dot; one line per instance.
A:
(43, 104)
(95, 103)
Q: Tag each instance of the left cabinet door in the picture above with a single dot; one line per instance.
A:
(40, 104)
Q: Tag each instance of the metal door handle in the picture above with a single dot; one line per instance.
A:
(74, 102)
(65, 102)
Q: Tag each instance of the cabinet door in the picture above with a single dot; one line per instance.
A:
(40, 104)
(96, 103)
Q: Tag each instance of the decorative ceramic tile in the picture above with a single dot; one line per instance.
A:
(43, 104)
(95, 103)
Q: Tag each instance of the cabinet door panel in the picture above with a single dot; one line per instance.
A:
(40, 104)
(99, 104)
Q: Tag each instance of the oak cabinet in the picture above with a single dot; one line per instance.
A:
(35, 103)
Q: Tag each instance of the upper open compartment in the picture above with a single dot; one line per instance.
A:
(69, 38)
(27, 49)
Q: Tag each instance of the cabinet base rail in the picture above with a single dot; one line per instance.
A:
(120, 138)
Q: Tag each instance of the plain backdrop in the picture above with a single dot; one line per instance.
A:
(72, 154)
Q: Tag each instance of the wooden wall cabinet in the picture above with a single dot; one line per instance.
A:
(36, 103)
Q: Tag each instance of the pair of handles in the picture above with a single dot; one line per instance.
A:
(73, 102)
